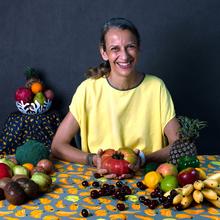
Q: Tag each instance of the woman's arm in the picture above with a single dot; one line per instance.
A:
(61, 147)
(171, 132)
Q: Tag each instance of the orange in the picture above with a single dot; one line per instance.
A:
(29, 166)
(36, 87)
(152, 179)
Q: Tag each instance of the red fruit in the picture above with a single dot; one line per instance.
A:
(5, 171)
(113, 162)
(187, 176)
(38, 169)
(23, 94)
(49, 94)
(47, 165)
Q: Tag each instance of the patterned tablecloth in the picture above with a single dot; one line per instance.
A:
(68, 197)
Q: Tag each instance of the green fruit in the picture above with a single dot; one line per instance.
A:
(8, 162)
(40, 98)
(43, 180)
(152, 166)
(168, 183)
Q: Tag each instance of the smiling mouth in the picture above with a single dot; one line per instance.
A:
(125, 65)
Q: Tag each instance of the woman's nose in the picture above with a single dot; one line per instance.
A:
(124, 54)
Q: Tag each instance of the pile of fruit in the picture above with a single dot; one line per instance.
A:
(181, 188)
(21, 183)
(34, 96)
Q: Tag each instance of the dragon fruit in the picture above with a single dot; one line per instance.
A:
(23, 94)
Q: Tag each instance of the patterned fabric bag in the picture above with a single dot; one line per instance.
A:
(21, 127)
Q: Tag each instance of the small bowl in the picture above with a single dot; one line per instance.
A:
(33, 108)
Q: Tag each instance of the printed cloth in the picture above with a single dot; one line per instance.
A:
(20, 127)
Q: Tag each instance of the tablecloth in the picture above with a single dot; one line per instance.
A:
(68, 197)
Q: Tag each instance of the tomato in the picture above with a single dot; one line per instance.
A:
(113, 162)
(129, 154)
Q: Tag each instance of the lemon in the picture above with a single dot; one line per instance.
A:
(152, 179)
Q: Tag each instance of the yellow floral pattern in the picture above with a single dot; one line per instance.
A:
(68, 197)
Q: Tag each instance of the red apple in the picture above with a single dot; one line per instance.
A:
(167, 169)
(187, 176)
(5, 171)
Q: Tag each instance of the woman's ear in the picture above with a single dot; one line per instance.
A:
(103, 54)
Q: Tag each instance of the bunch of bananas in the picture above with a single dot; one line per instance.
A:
(208, 189)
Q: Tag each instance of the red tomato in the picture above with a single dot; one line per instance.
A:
(113, 162)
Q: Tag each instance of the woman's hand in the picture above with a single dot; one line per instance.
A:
(105, 173)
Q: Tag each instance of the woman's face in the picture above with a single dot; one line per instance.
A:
(121, 51)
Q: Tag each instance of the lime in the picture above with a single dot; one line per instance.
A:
(168, 183)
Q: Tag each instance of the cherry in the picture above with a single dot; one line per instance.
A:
(85, 213)
(85, 183)
(95, 184)
(97, 175)
(94, 194)
(121, 206)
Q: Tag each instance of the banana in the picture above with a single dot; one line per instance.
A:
(177, 199)
(198, 184)
(215, 176)
(210, 183)
(187, 189)
(217, 190)
(209, 194)
(198, 196)
(202, 174)
(216, 202)
(186, 201)
(179, 190)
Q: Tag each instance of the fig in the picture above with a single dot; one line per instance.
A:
(2, 195)
(38, 169)
(14, 193)
(4, 181)
(47, 165)
(18, 176)
(29, 186)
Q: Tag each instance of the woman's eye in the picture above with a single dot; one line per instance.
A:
(114, 49)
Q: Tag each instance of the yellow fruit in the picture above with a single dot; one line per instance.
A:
(202, 173)
(29, 166)
(152, 179)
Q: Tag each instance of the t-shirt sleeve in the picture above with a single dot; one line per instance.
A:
(76, 105)
(167, 106)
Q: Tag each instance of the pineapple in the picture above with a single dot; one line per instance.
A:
(31, 77)
(188, 132)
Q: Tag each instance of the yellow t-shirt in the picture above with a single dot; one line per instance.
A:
(111, 118)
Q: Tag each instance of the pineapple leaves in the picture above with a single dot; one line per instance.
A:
(189, 128)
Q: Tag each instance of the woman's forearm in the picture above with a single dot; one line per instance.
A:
(69, 153)
(159, 156)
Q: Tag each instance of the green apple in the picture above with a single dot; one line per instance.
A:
(43, 180)
(20, 170)
(169, 182)
(40, 98)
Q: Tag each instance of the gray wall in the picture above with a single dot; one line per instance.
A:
(180, 44)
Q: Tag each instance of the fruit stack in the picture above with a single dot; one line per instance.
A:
(182, 188)
(33, 97)
(21, 183)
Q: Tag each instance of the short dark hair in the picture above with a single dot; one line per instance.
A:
(121, 23)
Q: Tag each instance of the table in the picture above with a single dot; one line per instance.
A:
(68, 197)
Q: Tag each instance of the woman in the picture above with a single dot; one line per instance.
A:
(117, 106)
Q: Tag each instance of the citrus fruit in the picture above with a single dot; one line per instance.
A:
(29, 166)
(36, 87)
(152, 179)
(168, 183)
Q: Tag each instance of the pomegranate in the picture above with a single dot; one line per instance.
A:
(23, 94)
